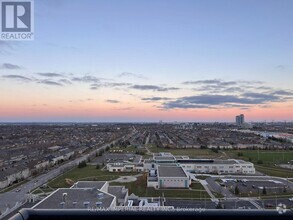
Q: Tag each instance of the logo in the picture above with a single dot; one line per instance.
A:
(281, 208)
(17, 20)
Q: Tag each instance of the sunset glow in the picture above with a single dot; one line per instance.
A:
(187, 61)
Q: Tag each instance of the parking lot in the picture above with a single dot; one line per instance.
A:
(256, 187)
(238, 204)
(272, 203)
(207, 204)
(195, 204)
(116, 158)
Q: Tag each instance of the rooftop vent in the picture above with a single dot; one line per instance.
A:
(86, 204)
(100, 195)
(74, 204)
(99, 204)
(64, 195)
(62, 204)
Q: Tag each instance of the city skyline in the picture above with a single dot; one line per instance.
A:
(130, 61)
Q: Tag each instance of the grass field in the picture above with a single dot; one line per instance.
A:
(140, 188)
(272, 171)
(85, 173)
(193, 153)
(267, 157)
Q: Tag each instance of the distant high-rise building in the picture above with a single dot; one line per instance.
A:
(240, 119)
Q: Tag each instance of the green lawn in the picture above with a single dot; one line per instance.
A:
(272, 171)
(139, 188)
(86, 173)
(193, 153)
(268, 157)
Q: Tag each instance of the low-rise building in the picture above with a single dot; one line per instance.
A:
(125, 167)
(86, 195)
(10, 175)
(230, 166)
(172, 177)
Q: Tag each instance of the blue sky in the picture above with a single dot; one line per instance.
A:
(165, 42)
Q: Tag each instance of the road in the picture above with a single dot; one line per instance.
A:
(11, 198)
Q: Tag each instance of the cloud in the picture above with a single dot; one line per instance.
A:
(217, 86)
(65, 81)
(10, 66)
(260, 96)
(283, 92)
(115, 84)
(50, 74)
(112, 101)
(128, 74)
(218, 82)
(50, 83)
(155, 99)
(208, 100)
(17, 77)
(94, 88)
(212, 81)
(86, 79)
(153, 88)
(233, 89)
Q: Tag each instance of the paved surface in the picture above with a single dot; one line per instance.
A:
(116, 158)
(258, 181)
(214, 186)
(125, 179)
(207, 188)
(204, 204)
(10, 199)
(272, 203)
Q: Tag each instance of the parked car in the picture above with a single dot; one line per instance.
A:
(291, 199)
(269, 205)
(18, 190)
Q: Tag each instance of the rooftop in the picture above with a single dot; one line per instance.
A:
(89, 184)
(164, 158)
(76, 198)
(119, 191)
(171, 171)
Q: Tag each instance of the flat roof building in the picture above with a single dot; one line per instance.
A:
(77, 198)
(86, 195)
(172, 176)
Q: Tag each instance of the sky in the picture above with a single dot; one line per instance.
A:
(151, 60)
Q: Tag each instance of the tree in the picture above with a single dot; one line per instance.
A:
(215, 150)
(236, 192)
(82, 164)
(264, 191)
(240, 154)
